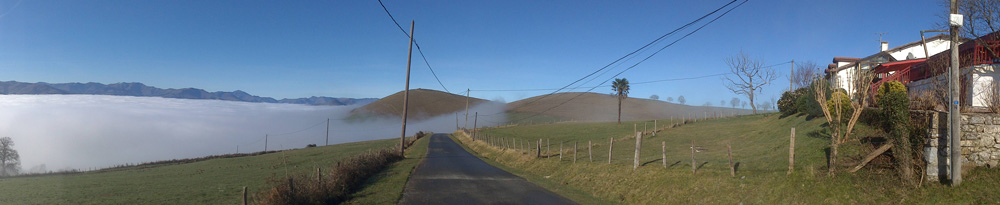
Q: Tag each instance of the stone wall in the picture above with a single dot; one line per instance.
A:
(980, 141)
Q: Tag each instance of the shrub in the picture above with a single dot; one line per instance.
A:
(787, 102)
(806, 104)
(336, 185)
(895, 120)
(889, 87)
(841, 100)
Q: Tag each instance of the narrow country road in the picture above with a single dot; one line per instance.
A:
(450, 175)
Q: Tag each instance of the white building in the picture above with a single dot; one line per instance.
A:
(842, 71)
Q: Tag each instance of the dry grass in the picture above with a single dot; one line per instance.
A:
(335, 186)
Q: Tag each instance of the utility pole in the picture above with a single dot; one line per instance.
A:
(955, 22)
(466, 109)
(328, 131)
(475, 126)
(791, 78)
(406, 94)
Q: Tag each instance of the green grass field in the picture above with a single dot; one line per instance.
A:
(215, 181)
(759, 146)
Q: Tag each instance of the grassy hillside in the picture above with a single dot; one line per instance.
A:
(424, 103)
(597, 107)
(215, 181)
(760, 150)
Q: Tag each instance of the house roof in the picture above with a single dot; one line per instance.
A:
(886, 54)
(896, 66)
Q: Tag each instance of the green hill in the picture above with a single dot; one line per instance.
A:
(424, 104)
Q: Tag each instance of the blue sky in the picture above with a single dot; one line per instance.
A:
(293, 49)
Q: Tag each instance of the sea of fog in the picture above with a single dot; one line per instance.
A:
(57, 132)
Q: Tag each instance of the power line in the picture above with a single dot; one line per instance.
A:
(416, 44)
(644, 82)
(635, 51)
(648, 57)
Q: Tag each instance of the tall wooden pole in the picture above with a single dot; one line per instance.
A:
(406, 93)
(466, 109)
(475, 125)
(327, 131)
(953, 111)
(791, 78)
(638, 148)
(791, 153)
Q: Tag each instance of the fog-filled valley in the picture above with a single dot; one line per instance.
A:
(58, 132)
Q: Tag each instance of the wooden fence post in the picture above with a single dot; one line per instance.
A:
(319, 175)
(654, 127)
(664, 152)
(514, 143)
(645, 128)
(611, 147)
(590, 151)
(560, 151)
(732, 168)
(694, 164)
(791, 153)
(538, 149)
(638, 148)
(244, 195)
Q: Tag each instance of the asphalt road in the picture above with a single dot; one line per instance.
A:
(450, 175)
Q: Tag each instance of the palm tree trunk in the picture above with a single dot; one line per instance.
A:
(619, 110)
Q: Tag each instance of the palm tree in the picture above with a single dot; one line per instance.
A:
(620, 86)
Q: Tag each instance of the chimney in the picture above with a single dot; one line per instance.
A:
(885, 46)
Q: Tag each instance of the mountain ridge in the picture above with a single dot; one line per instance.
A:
(142, 90)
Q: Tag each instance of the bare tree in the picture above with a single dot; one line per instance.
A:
(10, 161)
(734, 102)
(654, 97)
(748, 77)
(681, 99)
(707, 104)
(804, 74)
(744, 105)
(722, 103)
(670, 99)
(980, 17)
(839, 133)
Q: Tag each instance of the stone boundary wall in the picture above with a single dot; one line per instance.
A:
(980, 141)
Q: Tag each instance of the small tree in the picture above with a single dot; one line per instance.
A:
(654, 97)
(734, 102)
(620, 86)
(670, 99)
(805, 74)
(839, 133)
(744, 105)
(10, 161)
(895, 120)
(681, 99)
(748, 77)
(707, 104)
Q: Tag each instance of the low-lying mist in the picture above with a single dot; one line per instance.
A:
(96, 131)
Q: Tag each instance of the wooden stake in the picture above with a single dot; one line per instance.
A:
(664, 152)
(654, 128)
(791, 153)
(574, 152)
(560, 151)
(611, 148)
(694, 164)
(638, 148)
(319, 174)
(244, 195)
(538, 149)
(732, 168)
(548, 148)
(590, 151)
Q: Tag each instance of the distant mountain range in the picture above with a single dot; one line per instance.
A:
(141, 90)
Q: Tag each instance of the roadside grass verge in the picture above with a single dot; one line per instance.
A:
(760, 150)
(387, 186)
(213, 181)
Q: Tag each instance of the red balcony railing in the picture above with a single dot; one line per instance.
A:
(986, 53)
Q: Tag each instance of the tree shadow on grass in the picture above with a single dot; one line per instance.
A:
(675, 164)
(702, 165)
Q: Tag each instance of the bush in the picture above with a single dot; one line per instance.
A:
(895, 105)
(336, 186)
(787, 103)
(889, 87)
(841, 100)
(806, 104)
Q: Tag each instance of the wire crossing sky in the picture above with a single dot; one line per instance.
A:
(354, 49)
